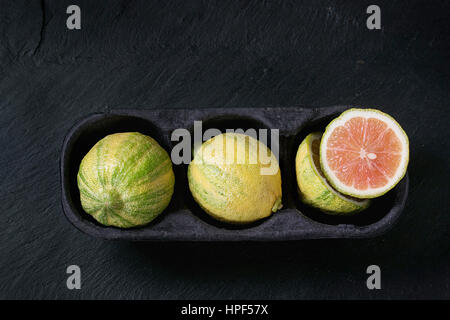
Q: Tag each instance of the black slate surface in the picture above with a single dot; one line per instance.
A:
(188, 54)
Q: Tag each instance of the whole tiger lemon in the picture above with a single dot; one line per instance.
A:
(235, 178)
(125, 180)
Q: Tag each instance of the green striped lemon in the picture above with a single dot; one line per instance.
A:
(231, 179)
(125, 180)
(314, 189)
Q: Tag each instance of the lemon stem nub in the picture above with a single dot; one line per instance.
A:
(112, 199)
(277, 206)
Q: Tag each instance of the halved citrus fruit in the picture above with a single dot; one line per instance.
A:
(314, 189)
(364, 153)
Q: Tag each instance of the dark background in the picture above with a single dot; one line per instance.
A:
(157, 54)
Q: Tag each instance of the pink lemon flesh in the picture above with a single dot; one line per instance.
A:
(364, 153)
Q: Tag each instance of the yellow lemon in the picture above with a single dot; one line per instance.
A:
(235, 178)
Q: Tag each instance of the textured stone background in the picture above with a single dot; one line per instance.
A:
(218, 53)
